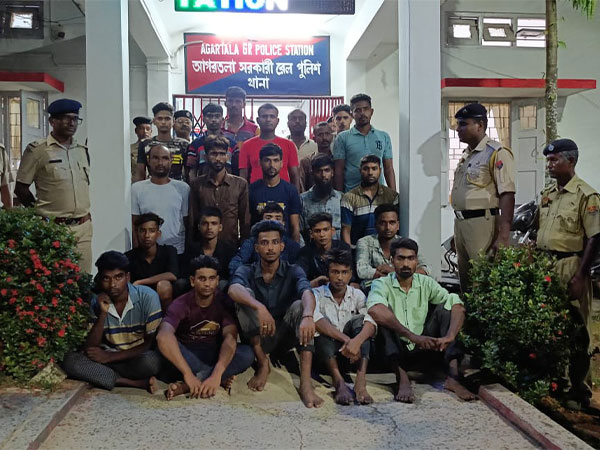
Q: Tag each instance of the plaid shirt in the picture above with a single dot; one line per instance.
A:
(311, 206)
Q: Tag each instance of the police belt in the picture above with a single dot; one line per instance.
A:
(69, 220)
(472, 213)
(562, 255)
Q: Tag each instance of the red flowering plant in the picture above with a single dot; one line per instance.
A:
(519, 322)
(43, 314)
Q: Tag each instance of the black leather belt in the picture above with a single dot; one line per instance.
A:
(472, 213)
(70, 221)
(562, 255)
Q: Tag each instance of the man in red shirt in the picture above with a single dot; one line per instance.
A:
(250, 168)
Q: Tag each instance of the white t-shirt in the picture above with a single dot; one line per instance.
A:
(170, 202)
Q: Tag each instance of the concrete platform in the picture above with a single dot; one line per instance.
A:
(275, 418)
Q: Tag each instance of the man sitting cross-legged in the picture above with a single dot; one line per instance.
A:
(151, 264)
(344, 327)
(271, 317)
(126, 317)
(199, 336)
(417, 318)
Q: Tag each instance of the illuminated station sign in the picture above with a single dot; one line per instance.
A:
(268, 6)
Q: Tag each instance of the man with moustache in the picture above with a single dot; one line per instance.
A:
(237, 128)
(342, 116)
(183, 121)
(143, 131)
(323, 139)
(297, 125)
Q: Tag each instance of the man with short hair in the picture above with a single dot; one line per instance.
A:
(199, 336)
(212, 115)
(321, 197)
(163, 196)
(297, 125)
(418, 319)
(271, 188)
(183, 122)
(358, 205)
(362, 139)
(237, 128)
(247, 254)
(342, 116)
(117, 351)
(250, 163)
(59, 167)
(143, 131)
(323, 139)
(344, 326)
(373, 259)
(163, 121)
(312, 256)
(275, 308)
(151, 264)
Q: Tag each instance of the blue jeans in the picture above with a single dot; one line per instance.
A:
(202, 360)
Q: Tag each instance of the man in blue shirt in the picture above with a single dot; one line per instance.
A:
(362, 139)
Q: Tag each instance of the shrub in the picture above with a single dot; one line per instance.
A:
(42, 311)
(519, 322)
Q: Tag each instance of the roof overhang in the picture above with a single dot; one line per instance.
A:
(30, 81)
(509, 87)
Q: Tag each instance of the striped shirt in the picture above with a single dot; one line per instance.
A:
(141, 316)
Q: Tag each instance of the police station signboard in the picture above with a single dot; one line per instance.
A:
(267, 6)
(261, 67)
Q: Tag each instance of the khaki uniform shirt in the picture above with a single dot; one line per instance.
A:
(476, 184)
(5, 173)
(568, 216)
(61, 177)
(133, 149)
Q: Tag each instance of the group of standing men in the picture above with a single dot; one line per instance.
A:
(192, 240)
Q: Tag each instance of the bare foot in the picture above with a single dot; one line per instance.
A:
(226, 384)
(405, 393)
(462, 392)
(362, 396)
(258, 381)
(176, 389)
(309, 398)
(343, 395)
(152, 385)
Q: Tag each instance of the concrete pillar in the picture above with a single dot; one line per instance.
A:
(107, 74)
(159, 82)
(420, 126)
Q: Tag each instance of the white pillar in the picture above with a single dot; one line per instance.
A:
(159, 82)
(420, 129)
(107, 73)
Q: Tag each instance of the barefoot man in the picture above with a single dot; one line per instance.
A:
(418, 319)
(271, 317)
(199, 336)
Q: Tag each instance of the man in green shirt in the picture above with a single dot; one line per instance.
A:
(418, 320)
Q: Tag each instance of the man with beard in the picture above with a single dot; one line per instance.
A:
(163, 196)
(271, 188)
(321, 198)
(163, 121)
(358, 205)
(483, 192)
(568, 223)
(275, 308)
(342, 116)
(143, 131)
(219, 189)
(196, 165)
(362, 139)
(323, 138)
(297, 125)
(250, 163)
(117, 351)
(183, 123)
(418, 319)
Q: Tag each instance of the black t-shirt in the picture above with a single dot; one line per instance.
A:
(223, 253)
(178, 148)
(312, 262)
(165, 260)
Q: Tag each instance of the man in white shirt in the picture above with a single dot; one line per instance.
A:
(344, 327)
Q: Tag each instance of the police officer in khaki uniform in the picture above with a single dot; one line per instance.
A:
(569, 228)
(143, 131)
(483, 194)
(5, 178)
(60, 169)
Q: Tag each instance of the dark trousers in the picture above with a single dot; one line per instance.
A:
(327, 348)
(286, 329)
(436, 325)
(80, 367)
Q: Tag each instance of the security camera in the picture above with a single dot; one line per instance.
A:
(57, 32)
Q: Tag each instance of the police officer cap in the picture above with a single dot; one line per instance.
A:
(183, 113)
(472, 111)
(142, 120)
(64, 106)
(560, 145)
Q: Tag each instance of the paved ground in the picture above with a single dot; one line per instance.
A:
(132, 419)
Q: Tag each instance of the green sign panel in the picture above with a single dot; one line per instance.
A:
(268, 6)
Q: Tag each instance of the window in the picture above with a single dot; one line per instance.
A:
(531, 32)
(497, 32)
(463, 30)
(22, 19)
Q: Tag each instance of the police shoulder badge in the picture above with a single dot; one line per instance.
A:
(592, 209)
(499, 164)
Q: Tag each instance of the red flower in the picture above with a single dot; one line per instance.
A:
(14, 292)
(4, 292)
(43, 325)
(29, 300)
(543, 305)
(28, 271)
(54, 301)
(32, 252)
(41, 341)
(61, 332)
(559, 333)
(9, 279)
(44, 308)
(12, 300)
(36, 307)
(40, 288)
(554, 386)
(29, 330)
(517, 265)
(547, 278)
(72, 309)
(79, 301)
(532, 355)
(69, 281)
(56, 244)
(11, 243)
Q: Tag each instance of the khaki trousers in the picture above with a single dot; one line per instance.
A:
(83, 232)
